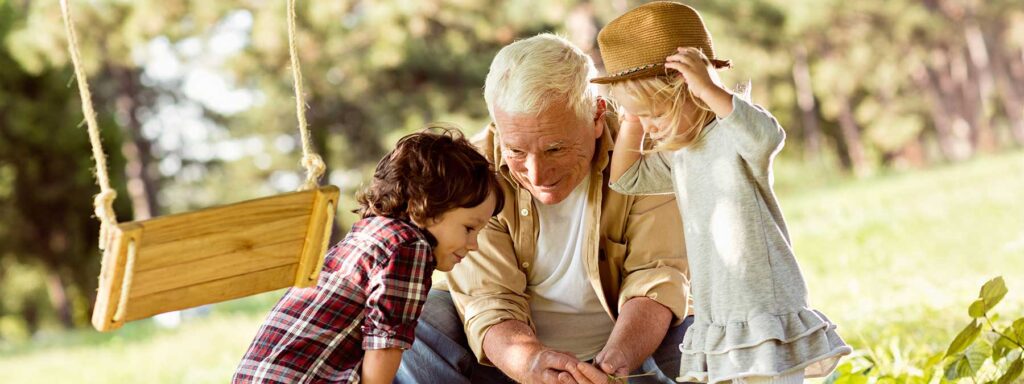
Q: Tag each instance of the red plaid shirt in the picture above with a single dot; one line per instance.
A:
(369, 295)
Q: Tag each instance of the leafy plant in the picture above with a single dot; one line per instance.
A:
(983, 352)
(1001, 348)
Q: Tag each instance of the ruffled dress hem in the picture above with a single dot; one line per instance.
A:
(767, 345)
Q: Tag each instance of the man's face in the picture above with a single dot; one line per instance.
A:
(548, 154)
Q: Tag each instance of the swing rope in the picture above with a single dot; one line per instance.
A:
(310, 159)
(104, 201)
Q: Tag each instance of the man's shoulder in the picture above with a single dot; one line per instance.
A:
(485, 143)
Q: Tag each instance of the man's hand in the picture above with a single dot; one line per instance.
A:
(584, 373)
(612, 361)
(638, 331)
(513, 347)
(550, 366)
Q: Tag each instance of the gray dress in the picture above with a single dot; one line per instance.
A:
(750, 300)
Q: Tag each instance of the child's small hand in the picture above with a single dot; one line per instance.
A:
(629, 124)
(700, 75)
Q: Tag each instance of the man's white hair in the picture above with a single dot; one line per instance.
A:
(529, 74)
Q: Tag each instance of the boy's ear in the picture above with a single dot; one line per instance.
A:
(424, 225)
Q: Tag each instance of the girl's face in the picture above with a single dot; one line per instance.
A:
(653, 118)
(456, 232)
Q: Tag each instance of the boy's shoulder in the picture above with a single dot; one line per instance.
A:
(388, 232)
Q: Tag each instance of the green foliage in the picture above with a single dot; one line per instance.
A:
(996, 358)
(377, 69)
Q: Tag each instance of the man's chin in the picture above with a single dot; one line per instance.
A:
(549, 198)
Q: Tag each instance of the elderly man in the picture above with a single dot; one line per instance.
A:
(572, 282)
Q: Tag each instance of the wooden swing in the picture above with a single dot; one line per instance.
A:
(208, 256)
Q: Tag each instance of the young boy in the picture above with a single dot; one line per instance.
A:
(429, 199)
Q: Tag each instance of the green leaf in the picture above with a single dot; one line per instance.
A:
(1000, 348)
(1018, 330)
(933, 361)
(848, 379)
(977, 309)
(964, 339)
(977, 356)
(959, 368)
(1003, 344)
(992, 292)
(1012, 373)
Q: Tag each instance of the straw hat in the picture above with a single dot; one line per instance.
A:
(636, 44)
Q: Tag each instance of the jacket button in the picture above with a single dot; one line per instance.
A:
(524, 212)
(526, 264)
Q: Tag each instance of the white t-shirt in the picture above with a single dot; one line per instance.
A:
(568, 315)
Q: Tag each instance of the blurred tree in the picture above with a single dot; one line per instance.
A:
(47, 178)
(858, 86)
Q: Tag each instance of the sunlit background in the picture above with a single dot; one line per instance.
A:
(902, 177)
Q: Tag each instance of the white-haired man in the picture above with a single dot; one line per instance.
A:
(572, 282)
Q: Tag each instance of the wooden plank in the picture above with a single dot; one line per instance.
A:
(112, 271)
(233, 239)
(212, 255)
(212, 292)
(241, 262)
(218, 219)
(317, 237)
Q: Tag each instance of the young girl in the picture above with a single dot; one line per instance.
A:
(714, 151)
(429, 199)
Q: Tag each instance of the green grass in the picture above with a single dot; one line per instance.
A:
(894, 260)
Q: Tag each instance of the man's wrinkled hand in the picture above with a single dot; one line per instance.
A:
(585, 373)
(549, 366)
(612, 361)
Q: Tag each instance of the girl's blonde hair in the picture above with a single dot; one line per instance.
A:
(671, 91)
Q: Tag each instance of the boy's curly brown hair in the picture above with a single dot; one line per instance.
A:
(427, 174)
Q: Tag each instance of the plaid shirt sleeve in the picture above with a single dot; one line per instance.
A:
(398, 288)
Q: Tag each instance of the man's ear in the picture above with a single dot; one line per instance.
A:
(602, 108)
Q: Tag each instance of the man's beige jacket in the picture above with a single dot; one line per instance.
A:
(634, 248)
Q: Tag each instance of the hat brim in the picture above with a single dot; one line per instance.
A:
(657, 70)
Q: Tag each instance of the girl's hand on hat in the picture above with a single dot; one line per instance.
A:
(695, 67)
(702, 79)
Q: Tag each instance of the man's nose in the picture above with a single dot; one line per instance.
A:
(534, 170)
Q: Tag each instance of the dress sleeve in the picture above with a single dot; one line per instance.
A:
(757, 134)
(649, 175)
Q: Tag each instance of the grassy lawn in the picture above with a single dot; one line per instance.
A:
(894, 260)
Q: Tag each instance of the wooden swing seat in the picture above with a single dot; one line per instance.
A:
(212, 255)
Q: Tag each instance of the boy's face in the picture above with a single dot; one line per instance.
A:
(456, 232)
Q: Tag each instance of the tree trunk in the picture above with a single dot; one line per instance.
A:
(805, 101)
(927, 79)
(1009, 95)
(582, 26)
(143, 180)
(979, 89)
(851, 135)
(59, 298)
